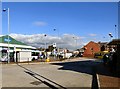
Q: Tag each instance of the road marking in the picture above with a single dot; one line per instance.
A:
(98, 81)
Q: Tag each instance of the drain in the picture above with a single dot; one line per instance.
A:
(36, 83)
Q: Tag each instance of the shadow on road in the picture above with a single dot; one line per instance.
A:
(42, 79)
(46, 83)
(89, 67)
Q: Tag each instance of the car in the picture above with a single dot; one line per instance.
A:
(107, 58)
(100, 54)
(80, 54)
(4, 59)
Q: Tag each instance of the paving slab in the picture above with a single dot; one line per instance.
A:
(109, 82)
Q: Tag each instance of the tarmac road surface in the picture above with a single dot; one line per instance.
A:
(75, 73)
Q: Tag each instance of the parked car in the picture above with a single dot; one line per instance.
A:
(107, 58)
(100, 54)
(4, 59)
(80, 54)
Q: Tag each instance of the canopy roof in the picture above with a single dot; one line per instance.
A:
(13, 43)
(4, 39)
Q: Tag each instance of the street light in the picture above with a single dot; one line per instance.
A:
(4, 10)
(75, 42)
(57, 43)
(110, 34)
(45, 47)
(115, 32)
(54, 46)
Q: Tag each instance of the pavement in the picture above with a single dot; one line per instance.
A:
(107, 78)
(44, 74)
(109, 82)
(79, 72)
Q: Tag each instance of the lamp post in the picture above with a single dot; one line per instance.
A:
(75, 42)
(54, 50)
(4, 10)
(57, 44)
(110, 34)
(45, 48)
(115, 32)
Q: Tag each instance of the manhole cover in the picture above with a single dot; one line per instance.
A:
(36, 83)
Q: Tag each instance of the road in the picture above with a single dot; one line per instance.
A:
(71, 73)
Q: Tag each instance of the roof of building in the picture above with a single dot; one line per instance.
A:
(91, 42)
(13, 43)
(103, 43)
(4, 39)
(114, 42)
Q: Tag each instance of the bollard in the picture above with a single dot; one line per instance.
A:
(48, 60)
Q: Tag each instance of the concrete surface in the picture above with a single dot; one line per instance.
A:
(70, 73)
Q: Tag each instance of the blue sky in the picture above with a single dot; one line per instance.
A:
(83, 19)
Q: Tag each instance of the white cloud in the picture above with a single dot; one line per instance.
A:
(39, 23)
(39, 40)
(92, 34)
(1, 35)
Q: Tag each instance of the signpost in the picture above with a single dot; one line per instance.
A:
(54, 50)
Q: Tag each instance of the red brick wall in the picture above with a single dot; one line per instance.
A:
(91, 48)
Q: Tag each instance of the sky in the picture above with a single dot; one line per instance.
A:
(75, 23)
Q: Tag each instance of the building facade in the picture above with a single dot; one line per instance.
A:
(90, 49)
(15, 50)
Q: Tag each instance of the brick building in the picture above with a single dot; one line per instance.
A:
(103, 46)
(117, 43)
(91, 48)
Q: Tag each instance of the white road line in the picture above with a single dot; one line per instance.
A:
(98, 81)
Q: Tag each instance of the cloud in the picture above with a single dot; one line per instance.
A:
(39, 23)
(92, 34)
(39, 40)
(1, 35)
